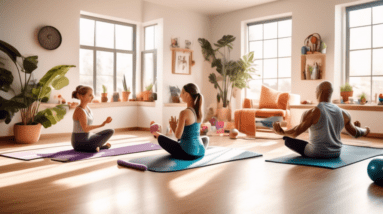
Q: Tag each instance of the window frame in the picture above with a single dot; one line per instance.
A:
(114, 50)
(277, 57)
(154, 52)
(347, 61)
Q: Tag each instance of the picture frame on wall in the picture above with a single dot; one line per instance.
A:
(182, 61)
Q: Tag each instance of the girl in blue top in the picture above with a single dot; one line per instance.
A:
(187, 129)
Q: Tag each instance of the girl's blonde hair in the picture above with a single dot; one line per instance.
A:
(81, 90)
(194, 92)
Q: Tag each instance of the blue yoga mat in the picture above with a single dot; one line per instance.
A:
(349, 155)
(165, 163)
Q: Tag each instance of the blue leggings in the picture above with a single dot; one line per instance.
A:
(87, 142)
(175, 149)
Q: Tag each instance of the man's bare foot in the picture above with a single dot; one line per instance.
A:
(357, 123)
(98, 149)
(106, 146)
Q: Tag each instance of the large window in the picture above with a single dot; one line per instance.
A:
(364, 60)
(149, 58)
(271, 42)
(107, 53)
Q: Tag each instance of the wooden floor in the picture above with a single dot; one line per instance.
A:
(246, 186)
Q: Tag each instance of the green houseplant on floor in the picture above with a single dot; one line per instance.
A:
(234, 74)
(29, 99)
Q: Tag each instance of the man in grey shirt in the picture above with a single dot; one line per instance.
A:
(325, 123)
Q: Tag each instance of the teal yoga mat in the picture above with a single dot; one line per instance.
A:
(165, 163)
(349, 155)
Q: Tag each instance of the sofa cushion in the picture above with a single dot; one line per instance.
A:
(283, 100)
(267, 112)
(269, 98)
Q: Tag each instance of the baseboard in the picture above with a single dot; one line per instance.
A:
(8, 138)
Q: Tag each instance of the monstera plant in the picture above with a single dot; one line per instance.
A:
(234, 74)
(30, 96)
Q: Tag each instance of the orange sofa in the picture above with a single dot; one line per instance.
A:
(271, 103)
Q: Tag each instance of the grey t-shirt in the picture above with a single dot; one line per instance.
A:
(325, 139)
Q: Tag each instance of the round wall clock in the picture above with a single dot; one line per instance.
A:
(49, 38)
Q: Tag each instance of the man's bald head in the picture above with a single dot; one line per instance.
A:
(324, 91)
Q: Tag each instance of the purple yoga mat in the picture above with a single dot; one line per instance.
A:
(72, 155)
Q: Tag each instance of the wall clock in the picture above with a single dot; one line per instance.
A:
(49, 38)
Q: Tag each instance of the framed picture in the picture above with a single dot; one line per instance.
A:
(182, 61)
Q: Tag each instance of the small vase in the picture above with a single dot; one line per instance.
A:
(104, 97)
(27, 133)
(116, 96)
(125, 96)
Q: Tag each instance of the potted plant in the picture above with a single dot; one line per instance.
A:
(175, 94)
(148, 92)
(31, 96)
(233, 74)
(346, 91)
(363, 98)
(104, 94)
(126, 92)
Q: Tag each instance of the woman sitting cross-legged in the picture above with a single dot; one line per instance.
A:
(82, 139)
(190, 145)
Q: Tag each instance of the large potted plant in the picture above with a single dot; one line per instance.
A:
(346, 91)
(29, 99)
(234, 74)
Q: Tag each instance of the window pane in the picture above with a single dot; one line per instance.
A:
(255, 89)
(377, 15)
(255, 32)
(124, 67)
(108, 82)
(284, 67)
(377, 86)
(86, 32)
(360, 17)
(258, 69)
(284, 47)
(270, 68)
(86, 80)
(104, 35)
(360, 38)
(86, 62)
(284, 28)
(120, 87)
(377, 67)
(257, 48)
(360, 63)
(360, 85)
(105, 61)
(378, 36)
(284, 85)
(270, 30)
(271, 83)
(270, 49)
(148, 69)
(149, 38)
(124, 37)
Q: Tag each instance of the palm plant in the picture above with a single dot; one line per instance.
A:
(234, 73)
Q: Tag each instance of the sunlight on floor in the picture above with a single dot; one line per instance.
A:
(192, 181)
(87, 178)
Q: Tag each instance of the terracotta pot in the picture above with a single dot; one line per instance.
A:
(175, 99)
(346, 94)
(224, 114)
(27, 133)
(125, 96)
(104, 97)
(146, 95)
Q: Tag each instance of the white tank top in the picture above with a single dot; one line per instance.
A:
(76, 124)
(325, 134)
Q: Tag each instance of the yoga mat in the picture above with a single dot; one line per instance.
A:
(72, 155)
(349, 155)
(166, 163)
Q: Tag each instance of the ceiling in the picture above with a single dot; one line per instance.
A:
(210, 7)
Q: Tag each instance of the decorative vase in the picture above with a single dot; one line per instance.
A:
(224, 114)
(125, 96)
(104, 97)
(176, 99)
(27, 133)
(116, 96)
(346, 94)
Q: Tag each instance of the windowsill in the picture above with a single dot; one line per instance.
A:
(107, 104)
(358, 107)
(175, 104)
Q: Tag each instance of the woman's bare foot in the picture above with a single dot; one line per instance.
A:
(98, 149)
(106, 146)
(153, 129)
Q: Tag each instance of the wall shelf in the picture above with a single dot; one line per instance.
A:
(310, 60)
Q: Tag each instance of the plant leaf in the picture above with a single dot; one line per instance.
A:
(60, 82)
(50, 116)
(6, 79)
(12, 52)
(30, 64)
(207, 50)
